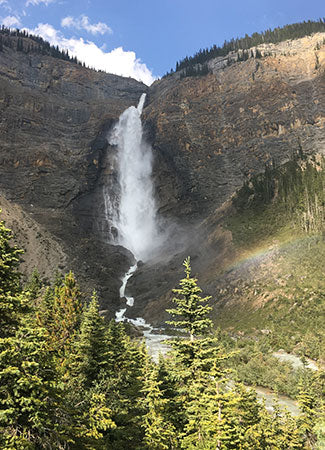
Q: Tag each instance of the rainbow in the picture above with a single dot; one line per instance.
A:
(259, 253)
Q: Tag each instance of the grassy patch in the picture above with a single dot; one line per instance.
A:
(280, 216)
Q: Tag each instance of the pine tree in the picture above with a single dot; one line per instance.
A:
(11, 303)
(189, 306)
(9, 262)
(123, 385)
(90, 348)
(160, 433)
(60, 311)
(29, 398)
(86, 364)
(307, 418)
(34, 285)
(28, 393)
(213, 414)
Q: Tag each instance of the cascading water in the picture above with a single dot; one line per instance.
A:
(134, 215)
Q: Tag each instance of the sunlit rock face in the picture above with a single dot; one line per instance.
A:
(212, 132)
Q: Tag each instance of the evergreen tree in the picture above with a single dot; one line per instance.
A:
(90, 417)
(34, 285)
(60, 312)
(90, 348)
(9, 262)
(160, 433)
(190, 306)
(28, 394)
(12, 304)
(29, 398)
(279, 34)
(307, 418)
(123, 385)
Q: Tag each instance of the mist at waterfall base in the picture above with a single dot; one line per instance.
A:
(134, 214)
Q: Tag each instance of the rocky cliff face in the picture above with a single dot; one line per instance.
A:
(212, 133)
(209, 135)
(54, 116)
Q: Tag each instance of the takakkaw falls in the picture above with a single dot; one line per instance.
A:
(162, 247)
(133, 214)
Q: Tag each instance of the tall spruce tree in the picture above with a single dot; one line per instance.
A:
(124, 388)
(11, 303)
(90, 348)
(190, 306)
(86, 365)
(160, 433)
(28, 395)
(59, 311)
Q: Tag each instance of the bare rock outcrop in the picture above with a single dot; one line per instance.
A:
(212, 132)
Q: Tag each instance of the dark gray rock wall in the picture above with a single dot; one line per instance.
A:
(54, 117)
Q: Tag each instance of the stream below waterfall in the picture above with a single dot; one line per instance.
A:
(153, 337)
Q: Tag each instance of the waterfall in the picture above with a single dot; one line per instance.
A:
(134, 215)
(130, 208)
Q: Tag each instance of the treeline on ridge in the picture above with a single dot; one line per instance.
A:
(22, 41)
(188, 65)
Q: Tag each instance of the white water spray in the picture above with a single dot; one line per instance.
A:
(135, 215)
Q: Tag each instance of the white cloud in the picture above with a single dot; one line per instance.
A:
(118, 61)
(4, 4)
(38, 2)
(82, 23)
(11, 22)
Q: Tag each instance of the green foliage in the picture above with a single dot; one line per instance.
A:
(124, 387)
(12, 304)
(283, 211)
(280, 199)
(195, 71)
(319, 430)
(28, 393)
(9, 262)
(59, 311)
(34, 285)
(254, 364)
(214, 414)
(160, 433)
(89, 354)
(307, 418)
(189, 306)
(219, 419)
(70, 380)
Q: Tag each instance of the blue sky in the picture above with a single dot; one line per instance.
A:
(145, 38)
